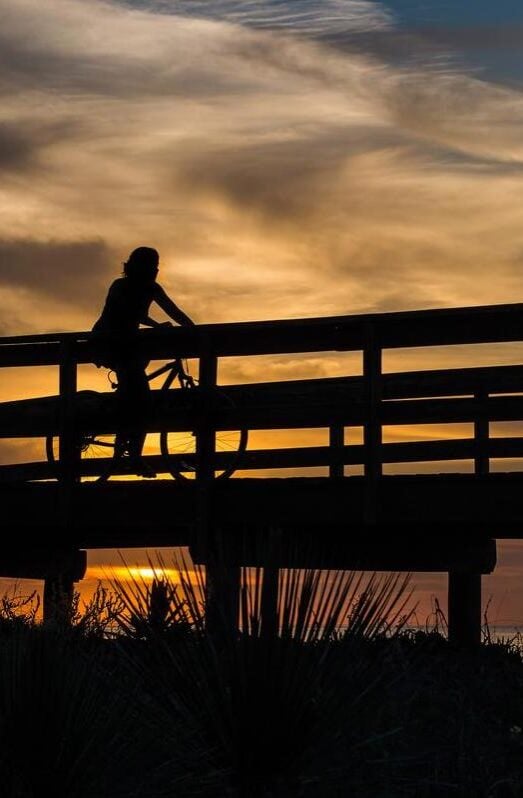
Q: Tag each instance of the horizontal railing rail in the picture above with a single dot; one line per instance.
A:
(407, 398)
(435, 451)
(439, 327)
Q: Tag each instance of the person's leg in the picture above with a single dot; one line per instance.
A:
(135, 403)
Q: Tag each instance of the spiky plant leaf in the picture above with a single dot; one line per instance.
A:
(266, 707)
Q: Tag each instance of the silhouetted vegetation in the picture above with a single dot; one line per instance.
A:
(134, 697)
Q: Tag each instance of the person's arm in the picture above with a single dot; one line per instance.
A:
(169, 307)
(149, 322)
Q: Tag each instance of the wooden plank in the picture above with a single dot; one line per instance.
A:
(33, 562)
(453, 382)
(303, 457)
(438, 327)
(397, 412)
(402, 551)
(47, 354)
(314, 456)
(22, 422)
(163, 513)
(45, 338)
(438, 411)
(400, 385)
(395, 385)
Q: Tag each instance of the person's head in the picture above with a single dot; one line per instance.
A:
(142, 264)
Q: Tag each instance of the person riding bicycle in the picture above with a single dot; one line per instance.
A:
(126, 308)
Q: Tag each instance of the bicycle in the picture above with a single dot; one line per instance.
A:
(182, 444)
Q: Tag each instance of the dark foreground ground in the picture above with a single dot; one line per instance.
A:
(156, 708)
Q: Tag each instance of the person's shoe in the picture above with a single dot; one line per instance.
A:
(143, 469)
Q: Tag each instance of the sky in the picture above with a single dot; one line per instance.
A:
(287, 158)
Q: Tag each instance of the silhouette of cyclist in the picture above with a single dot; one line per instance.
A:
(126, 308)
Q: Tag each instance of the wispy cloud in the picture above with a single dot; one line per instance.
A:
(296, 17)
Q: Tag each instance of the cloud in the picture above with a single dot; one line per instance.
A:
(16, 152)
(23, 142)
(58, 271)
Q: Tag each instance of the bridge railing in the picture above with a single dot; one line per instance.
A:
(474, 395)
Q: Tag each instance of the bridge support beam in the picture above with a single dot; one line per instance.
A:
(464, 609)
(222, 581)
(222, 598)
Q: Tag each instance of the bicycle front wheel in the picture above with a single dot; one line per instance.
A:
(232, 443)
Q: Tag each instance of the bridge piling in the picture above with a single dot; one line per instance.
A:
(58, 599)
(222, 597)
(464, 603)
(269, 601)
(270, 551)
(464, 588)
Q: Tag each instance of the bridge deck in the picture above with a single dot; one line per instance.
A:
(161, 512)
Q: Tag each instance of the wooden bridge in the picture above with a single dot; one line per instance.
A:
(53, 510)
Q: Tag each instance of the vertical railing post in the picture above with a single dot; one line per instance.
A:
(205, 446)
(336, 444)
(206, 434)
(372, 436)
(59, 589)
(222, 579)
(481, 434)
(67, 434)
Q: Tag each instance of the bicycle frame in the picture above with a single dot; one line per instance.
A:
(177, 370)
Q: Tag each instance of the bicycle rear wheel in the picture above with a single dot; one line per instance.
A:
(91, 447)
